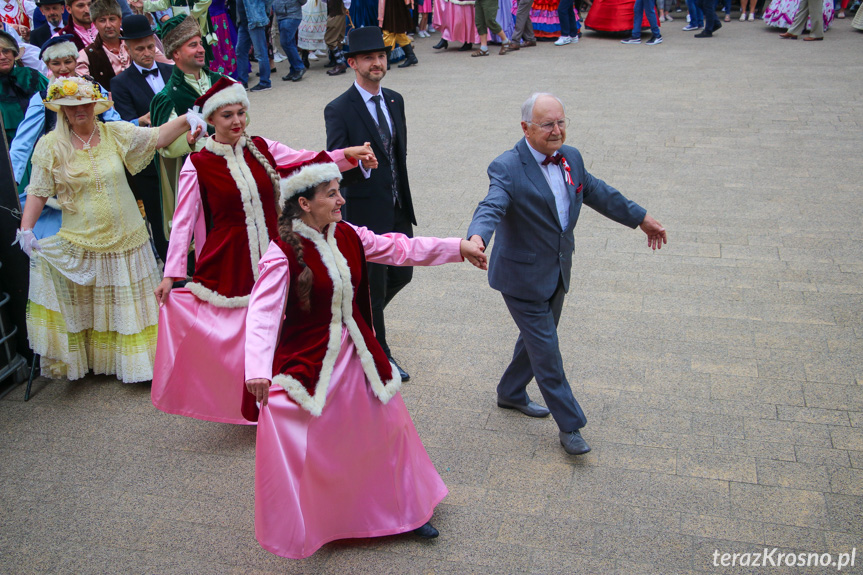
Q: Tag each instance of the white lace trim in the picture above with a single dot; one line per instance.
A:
(215, 298)
(256, 224)
(342, 312)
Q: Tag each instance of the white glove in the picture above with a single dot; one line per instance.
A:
(28, 242)
(195, 119)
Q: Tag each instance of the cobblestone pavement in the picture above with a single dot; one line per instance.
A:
(721, 376)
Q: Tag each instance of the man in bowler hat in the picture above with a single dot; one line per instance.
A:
(133, 91)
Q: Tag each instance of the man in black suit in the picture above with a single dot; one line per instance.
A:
(56, 16)
(382, 202)
(132, 91)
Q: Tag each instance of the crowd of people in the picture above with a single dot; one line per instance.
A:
(169, 245)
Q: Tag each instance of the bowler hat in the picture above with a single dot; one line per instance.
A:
(49, 2)
(135, 27)
(364, 40)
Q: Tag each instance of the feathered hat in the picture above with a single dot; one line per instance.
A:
(302, 176)
(58, 47)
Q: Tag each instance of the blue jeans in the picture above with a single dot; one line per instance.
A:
(696, 16)
(567, 18)
(245, 38)
(644, 7)
(288, 37)
(708, 7)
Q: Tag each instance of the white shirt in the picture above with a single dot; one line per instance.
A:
(367, 98)
(554, 177)
(156, 82)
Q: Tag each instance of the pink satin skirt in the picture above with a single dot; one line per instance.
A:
(358, 470)
(456, 22)
(200, 367)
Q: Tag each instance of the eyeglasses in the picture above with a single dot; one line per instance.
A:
(549, 126)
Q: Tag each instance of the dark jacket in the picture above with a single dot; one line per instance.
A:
(132, 94)
(370, 201)
(100, 65)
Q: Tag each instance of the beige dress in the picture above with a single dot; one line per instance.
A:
(91, 304)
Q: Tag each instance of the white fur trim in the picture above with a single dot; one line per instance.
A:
(342, 312)
(60, 50)
(215, 298)
(256, 224)
(234, 94)
(308, 177)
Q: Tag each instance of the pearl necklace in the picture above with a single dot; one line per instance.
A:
(90, 139)
(87, 148)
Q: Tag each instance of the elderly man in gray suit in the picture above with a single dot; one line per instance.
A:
(535, 194)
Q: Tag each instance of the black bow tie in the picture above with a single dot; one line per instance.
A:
(154, 72)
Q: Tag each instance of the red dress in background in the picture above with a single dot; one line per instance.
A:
(612, 16)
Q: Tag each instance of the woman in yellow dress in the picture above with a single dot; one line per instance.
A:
(91, 304)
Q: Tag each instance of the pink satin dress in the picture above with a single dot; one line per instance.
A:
(357, 470)
(199, 369)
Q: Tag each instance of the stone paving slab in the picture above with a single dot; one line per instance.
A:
(721, 376)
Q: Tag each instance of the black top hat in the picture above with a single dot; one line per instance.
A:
(136, 26)
(366, 39)
(49, 2)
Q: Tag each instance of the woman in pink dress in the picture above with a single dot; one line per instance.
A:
(337, 454)
(227, 201)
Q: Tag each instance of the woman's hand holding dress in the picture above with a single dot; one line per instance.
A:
(260, 388)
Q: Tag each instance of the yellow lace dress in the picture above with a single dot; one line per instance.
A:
(91, 304)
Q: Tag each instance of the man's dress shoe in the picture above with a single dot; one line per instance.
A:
(405, 375)
(427, 531)
(573, 443)
(531, 409)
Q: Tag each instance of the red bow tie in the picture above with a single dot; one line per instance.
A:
(555, 159)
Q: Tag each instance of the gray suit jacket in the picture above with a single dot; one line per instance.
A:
(531, 251)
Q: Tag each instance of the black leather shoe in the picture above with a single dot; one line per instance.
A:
(573, 443)
(717, 26)
(427, 531)
(532, 409)
(338, 69)
(466, 47)
(405, 375)
(443, 44)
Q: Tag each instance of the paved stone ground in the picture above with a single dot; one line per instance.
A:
(721, 376)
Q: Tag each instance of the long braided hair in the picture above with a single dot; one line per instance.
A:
(290, 212)
(271, 171)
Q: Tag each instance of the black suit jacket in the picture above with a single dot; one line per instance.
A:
(370, 201)
(132, 94)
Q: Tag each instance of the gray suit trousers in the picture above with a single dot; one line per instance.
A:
(537, 355)
(813, 9)
(523, 25)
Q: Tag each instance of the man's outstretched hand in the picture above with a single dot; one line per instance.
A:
(656, 235)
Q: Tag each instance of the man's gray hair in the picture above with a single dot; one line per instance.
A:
(527, 107)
